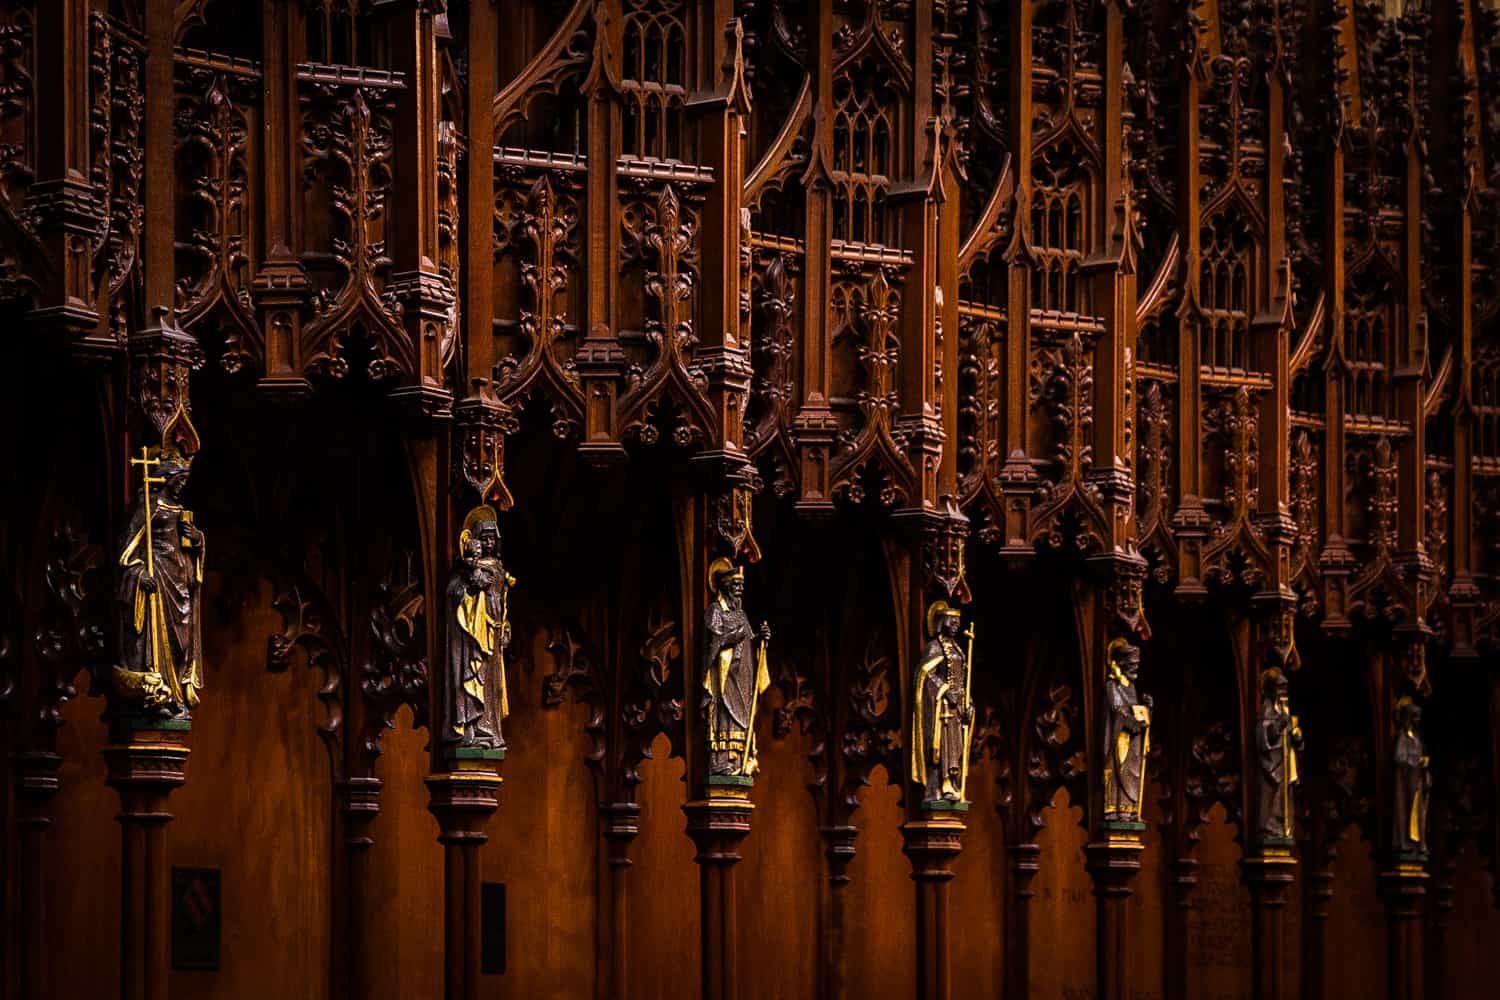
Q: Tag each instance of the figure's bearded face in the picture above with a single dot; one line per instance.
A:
(175, 485)
(488, 536)
(734, 586)
(949, 624)
(1130, 664)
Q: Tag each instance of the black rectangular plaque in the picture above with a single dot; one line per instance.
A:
(492, 928)
(196, 918)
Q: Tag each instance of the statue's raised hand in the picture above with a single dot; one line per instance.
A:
(765, 632)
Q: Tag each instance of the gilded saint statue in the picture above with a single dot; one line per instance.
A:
(1278, 740)
(476, 605)
(942, 709)
(734, 673)
(160, 590)
(1127, 734)
(1413, 781)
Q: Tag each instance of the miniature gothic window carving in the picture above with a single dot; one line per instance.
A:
(863, 139)
(1487, 403)
(1224, 294)
(654, 79)
(331, 35)
(1368, 341)
(1059, 227)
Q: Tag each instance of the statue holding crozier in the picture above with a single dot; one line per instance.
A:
(160, 588)
(476, 603)
(1278, 740)
(1127, 734)
(734, 673)
(942, 710)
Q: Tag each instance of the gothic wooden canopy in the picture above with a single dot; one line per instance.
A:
(1175, 321)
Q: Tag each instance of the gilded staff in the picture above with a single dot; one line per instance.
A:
(146, 462)
(963, 777)
(760, 664)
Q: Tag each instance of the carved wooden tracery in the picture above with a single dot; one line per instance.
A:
(1181, 309)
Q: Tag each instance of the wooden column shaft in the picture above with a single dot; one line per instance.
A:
(718, 825)
(1269, 879)
(1024, 869)
(619, 824)
(462, 801)
(1113, 863)
(931, 845)
(36, 786)
(1405, 892)
(145, 766)
(361, 804)
(833, 962)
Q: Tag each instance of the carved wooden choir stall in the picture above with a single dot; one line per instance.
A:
(797, 498)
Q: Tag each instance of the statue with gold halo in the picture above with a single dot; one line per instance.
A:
(477, 608)
(1278, 739)
(160, 587)
(1127, 734)
(734, 673)
(1413, 781)
(942, 710)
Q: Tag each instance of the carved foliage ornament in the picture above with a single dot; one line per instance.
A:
(347, 145)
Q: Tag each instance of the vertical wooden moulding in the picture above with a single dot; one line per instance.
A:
(931, 845)
(1404, 890)
(1113, 862)
(36, 785)
(1024, 869)
(718, 823)
(463, 799)
(620, 824)
(1269, 877)
(147, 762)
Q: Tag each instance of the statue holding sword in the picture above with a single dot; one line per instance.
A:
(942, 709)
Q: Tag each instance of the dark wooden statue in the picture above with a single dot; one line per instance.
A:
(1413, 781)
(160, 591)
(734, 673)
(1278, 740)
(1127, 734)
(474, 699)
(942, 711)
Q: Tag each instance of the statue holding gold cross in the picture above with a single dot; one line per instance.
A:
(160, 588)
